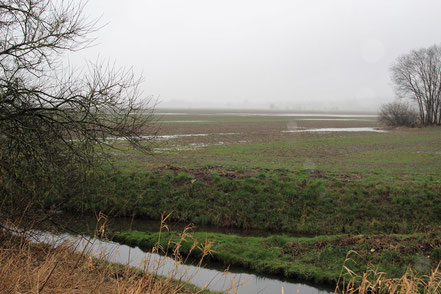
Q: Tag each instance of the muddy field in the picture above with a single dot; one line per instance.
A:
(330, 142)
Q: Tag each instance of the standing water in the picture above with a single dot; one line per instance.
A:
(212, 279)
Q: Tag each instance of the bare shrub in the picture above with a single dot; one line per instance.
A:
(397, 114)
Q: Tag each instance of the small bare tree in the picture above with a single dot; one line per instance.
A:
(54, 121)
(417, 77)
(396, 114)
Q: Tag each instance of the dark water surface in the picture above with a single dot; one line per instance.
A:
(217, 280)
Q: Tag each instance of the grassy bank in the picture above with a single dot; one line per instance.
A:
(39, 268)
(319, 259)
(308, 202)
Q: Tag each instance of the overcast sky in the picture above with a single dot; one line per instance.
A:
(286, 54)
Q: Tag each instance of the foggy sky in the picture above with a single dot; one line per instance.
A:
(286, 54)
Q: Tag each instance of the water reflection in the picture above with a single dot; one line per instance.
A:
(215, 280)
(336, 130)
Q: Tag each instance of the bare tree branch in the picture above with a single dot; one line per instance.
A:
(52, 121)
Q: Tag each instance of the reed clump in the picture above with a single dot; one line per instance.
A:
(375, 281)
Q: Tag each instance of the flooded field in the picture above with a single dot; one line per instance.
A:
(184, 129)
(323, 130)
(340, 142)
(245, 123)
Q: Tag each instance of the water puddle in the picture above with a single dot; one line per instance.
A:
(162, 137)
(168, 137)
(334, 119)
(325, 130)
(189, 147)
(215, 280)
(171, 113)
(184, 121)
(298, 114)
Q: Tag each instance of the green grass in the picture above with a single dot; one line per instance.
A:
(276, 200)
(398, 153)
(319, 259)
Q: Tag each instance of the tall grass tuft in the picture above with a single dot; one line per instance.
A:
(374, 281)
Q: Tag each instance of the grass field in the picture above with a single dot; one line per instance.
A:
(238, 140)
(325, 175)
(304, 173)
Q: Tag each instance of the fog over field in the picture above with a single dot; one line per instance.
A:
(247, 146)
(283, 54)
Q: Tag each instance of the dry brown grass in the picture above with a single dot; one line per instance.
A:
(26, 267)
(374, 281)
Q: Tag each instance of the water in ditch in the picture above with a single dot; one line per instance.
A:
(213, 279)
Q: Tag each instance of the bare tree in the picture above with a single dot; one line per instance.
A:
(417, 76)
(54, 121)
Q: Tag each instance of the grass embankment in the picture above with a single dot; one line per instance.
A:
(276, 200)
(31, 268)
(318, 259)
